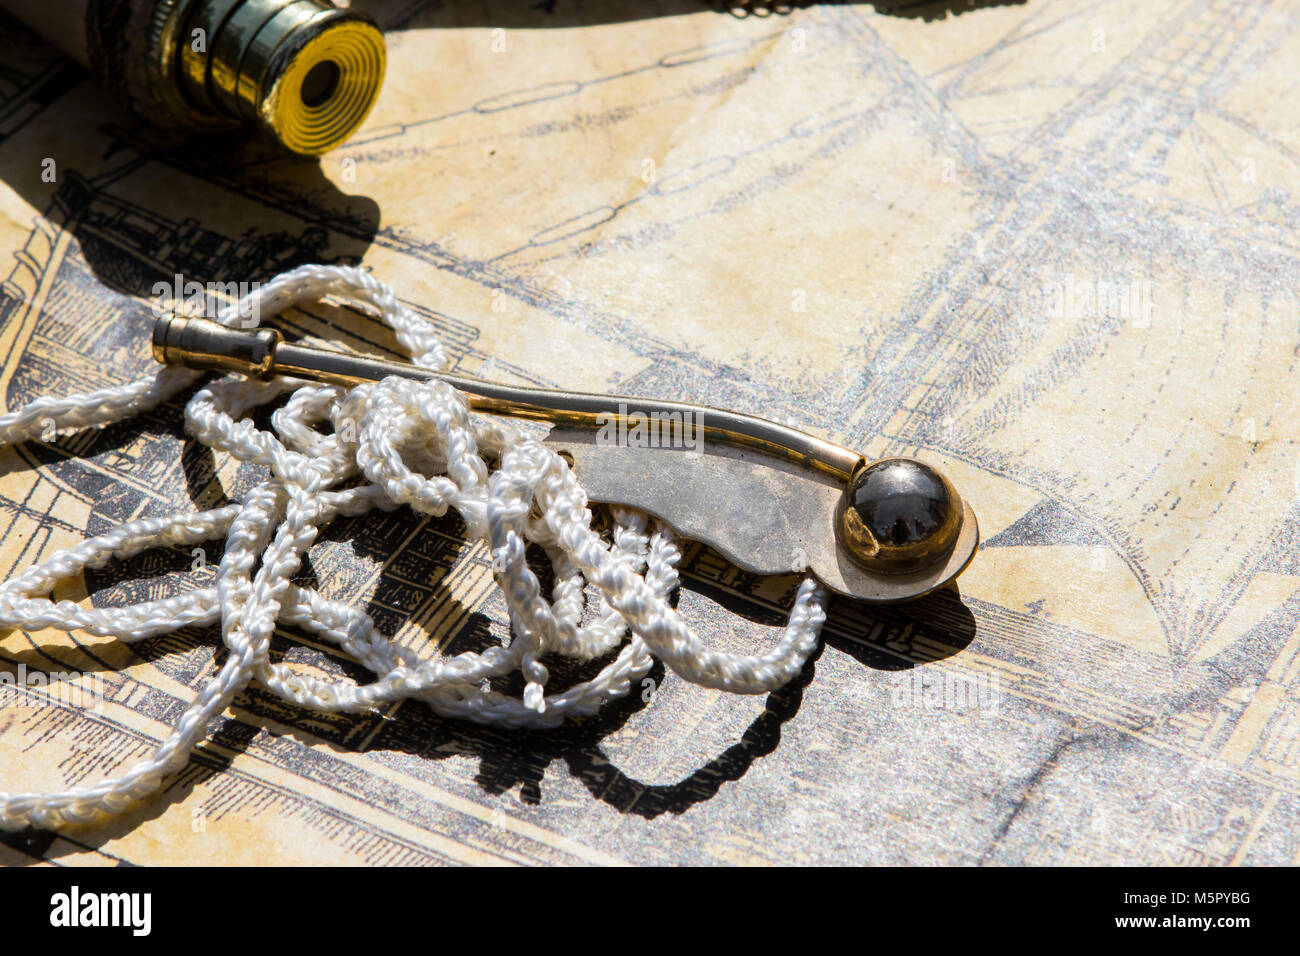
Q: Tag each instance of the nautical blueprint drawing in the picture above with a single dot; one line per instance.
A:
(1051, 246)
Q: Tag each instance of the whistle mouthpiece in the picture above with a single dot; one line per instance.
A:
(204, 345)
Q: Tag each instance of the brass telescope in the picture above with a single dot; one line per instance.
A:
(770, 498)
(303, 72)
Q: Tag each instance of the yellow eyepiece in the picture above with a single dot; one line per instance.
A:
(316, 94)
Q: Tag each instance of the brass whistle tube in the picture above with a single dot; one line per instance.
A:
(203, 344)
(900, 523)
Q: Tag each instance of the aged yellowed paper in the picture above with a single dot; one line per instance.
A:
(1049, 246)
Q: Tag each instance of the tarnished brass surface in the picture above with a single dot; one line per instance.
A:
(229, 46)
(182, 341)
(192, 64)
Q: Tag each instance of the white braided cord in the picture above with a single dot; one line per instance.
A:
(413, 443)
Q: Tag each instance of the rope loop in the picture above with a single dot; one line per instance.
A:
(414, 444)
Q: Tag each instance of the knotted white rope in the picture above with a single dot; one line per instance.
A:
(416, 444)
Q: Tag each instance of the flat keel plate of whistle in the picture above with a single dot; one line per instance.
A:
(763, 514)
